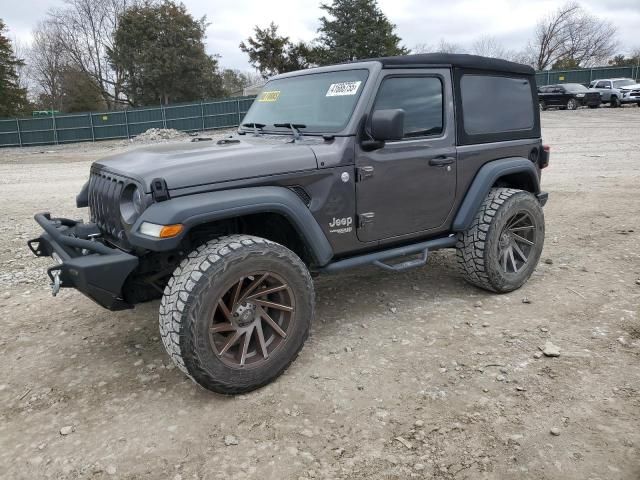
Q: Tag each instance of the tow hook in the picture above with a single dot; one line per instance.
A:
(55, 284)
(54, 275)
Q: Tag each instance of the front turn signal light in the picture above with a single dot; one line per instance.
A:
(161, 231)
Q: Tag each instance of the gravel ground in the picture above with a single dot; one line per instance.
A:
(411, 375)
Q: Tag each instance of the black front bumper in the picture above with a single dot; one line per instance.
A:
(86, 264)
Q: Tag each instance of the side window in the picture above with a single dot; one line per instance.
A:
(601, 85)
(421, 100)
(496, 104)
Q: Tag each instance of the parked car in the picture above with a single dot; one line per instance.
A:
(568, 96)
(616, 91)
(363, 163)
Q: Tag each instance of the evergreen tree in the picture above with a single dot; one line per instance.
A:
(160, 49)
(13, 99)
(355, 29)
(271, 53)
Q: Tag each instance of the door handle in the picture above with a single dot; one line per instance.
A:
(441, 161)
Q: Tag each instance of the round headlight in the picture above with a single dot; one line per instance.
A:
(137, 201)
(131, 204)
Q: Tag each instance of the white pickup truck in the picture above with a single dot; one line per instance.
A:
(616, 91)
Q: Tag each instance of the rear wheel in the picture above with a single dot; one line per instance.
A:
(236, 313)
(543, 106)
(502, 248)
(572, 104)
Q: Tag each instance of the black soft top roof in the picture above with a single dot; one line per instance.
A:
(475, 62)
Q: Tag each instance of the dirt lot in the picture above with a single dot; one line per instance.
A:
(412, 375)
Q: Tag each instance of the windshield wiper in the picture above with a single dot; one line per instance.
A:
(295, 128)
(255, 127)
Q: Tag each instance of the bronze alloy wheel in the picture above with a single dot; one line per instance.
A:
(502, 248)
(516, 242)
(252, 319)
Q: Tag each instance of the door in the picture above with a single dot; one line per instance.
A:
(604, 87)
(554, 96)
(408, 186)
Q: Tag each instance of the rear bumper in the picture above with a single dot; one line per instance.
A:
(89, 266)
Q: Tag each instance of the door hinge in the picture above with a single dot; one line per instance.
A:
(364, 172)
(365, 219)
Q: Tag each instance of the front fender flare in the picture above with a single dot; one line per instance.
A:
(486, 177)
(193, 210)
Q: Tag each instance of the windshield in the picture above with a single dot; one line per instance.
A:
(622, 83)
(575, 87)
(322, 102)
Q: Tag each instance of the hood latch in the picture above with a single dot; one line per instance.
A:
(159, 190)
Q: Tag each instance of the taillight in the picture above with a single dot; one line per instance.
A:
(543, 161)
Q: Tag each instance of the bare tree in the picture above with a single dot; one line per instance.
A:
(489, 46)
(571, 33)
(442, 47)
(86, 30)
(47, 62)
(590, 41)
(21, 51)
(449, 47)
(422, 48)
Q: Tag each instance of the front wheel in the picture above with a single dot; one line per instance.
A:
(502, 248)
(572, 104)
(236, 313)
(615, 102)
(543, 106)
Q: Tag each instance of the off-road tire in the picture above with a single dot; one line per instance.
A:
(187, 305)
(477, 248)
(615, 102)
(542, 105)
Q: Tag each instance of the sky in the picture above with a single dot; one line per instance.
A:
(418, 21)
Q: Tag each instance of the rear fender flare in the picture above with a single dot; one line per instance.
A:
(193, 210)
(486, 177)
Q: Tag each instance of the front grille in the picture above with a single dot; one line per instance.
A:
(105, 189)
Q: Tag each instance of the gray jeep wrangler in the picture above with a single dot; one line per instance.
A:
(372, 162)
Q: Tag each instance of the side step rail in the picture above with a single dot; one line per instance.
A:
(379, 258)
(399, 267)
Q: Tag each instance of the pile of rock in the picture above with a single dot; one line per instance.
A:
(160, 135)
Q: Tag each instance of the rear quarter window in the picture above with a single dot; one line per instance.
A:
(496, 104)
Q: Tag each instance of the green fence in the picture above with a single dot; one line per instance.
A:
(189, 117)
(89, 127)
(585, 75)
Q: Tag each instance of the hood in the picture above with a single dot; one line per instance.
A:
(631, 87)
(199, 163)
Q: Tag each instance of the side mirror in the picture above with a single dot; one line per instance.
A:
(387, 125)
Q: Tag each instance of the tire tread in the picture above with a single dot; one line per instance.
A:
(179, 304)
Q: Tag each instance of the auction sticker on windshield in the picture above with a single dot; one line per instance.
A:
(271, 96)
(344, 88)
